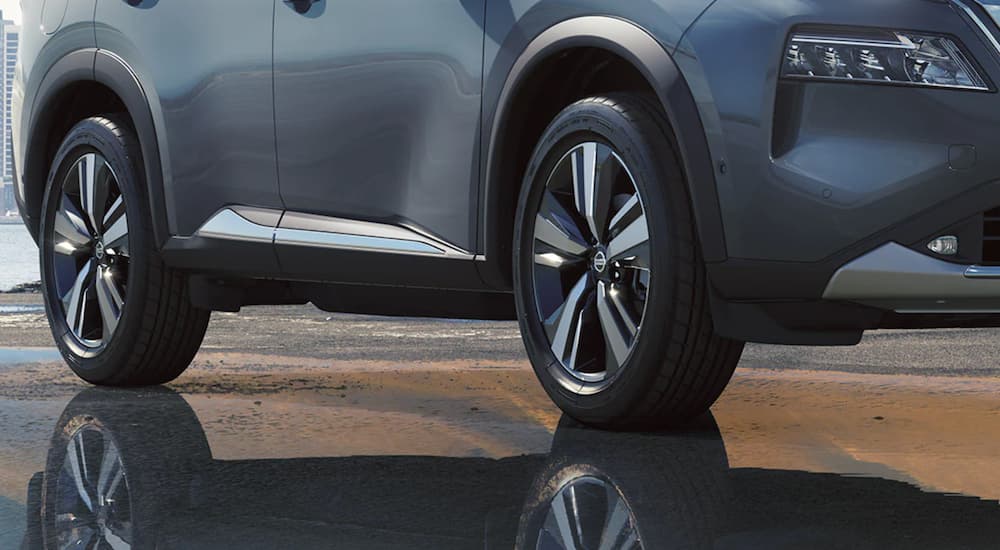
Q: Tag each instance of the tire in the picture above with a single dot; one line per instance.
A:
(119, 316)
(611, 291)
(33, 538)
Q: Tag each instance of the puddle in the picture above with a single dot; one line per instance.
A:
(20, 356)
(21, 309)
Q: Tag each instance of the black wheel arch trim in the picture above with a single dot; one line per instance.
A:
(654, 62)
(115, 73)
(105, 68)
(76, 66)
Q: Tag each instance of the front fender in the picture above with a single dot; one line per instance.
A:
(652, 59)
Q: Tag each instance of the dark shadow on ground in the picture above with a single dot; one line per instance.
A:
(134, 469)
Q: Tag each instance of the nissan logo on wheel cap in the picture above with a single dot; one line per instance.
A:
(600, 262)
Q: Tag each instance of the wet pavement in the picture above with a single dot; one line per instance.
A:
(436, 435)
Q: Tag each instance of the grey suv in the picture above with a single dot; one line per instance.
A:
(644, 184)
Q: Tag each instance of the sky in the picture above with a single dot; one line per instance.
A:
(11, 10)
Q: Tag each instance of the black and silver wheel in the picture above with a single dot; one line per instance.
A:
(589, 512)
(92, 505)
(591, 271)
(90, 252)
(118, 315)
(611, 293)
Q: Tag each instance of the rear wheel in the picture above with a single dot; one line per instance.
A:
(118, 314)
(611, 291)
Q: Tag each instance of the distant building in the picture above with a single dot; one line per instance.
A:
(10, 204)
(10, 38)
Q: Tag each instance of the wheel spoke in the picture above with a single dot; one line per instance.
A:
(565, 326)
(592, 185)
(548, 232)
(574, 353)
(116, 236)
(618, 328)
(576, 512)
(74, 301)
(556, 260)
(78, 469)
(629, 241)
(93, 188)
(562, 521)
(616, 525)
(70, 225)
(629, 211)
(115, 541)
(111, 472)
(83, 538)
(109, 300)
(117, 208)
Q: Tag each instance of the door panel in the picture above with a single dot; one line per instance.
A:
(377, 104)
(205, 67)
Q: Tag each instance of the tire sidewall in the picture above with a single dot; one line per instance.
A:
(593, 121)
(94, 136)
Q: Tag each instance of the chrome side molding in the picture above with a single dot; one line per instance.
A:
(297, 229)
(234, 224)
(279, 228)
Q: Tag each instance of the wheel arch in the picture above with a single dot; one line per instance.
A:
(643, 58)
(86, 83)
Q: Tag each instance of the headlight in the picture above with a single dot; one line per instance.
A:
(888, 57)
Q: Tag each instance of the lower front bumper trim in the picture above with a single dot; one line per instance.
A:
(983, 272)
(896, 278)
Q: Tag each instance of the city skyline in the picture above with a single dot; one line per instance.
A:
(9, 42)
(11, 10)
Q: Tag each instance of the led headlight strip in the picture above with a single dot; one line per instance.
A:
(880, 56)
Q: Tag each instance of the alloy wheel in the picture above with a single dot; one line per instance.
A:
(90, 251)
(591, 262)
(588, 513)
(93, 503)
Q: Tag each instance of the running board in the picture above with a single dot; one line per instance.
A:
(258, 225)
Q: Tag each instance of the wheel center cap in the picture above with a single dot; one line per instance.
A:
(99, 250)
(600, 262)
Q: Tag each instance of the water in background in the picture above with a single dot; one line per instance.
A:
(18, 257)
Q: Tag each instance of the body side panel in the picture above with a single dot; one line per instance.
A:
(377, 107)
(205, 69)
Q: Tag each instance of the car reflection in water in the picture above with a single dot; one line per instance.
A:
(133, 469)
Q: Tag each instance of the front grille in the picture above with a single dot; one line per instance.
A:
(991, 237)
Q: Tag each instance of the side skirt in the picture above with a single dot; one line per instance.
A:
(250, 256)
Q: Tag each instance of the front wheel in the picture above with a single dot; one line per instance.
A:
(611, 291)
(119, 316)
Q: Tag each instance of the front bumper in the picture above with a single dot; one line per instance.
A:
(810, 169)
